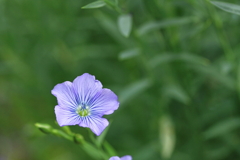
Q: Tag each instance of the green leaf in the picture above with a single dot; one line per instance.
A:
(100, 139)
(97, 4)
(130, 53)
(176, 92)
(134, 89)
(94, 152)
(125, 24)
(166, 136)
(111, 28)
(222, 128)
(110, 150)
(116, 2)
(170, 57)
(210, 71)
(149, 26)
(228, 7)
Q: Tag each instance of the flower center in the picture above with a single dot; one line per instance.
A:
(83, 110)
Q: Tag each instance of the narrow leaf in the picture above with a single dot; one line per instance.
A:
(166, 136)
(215, 74)
(93, 151)
(130, 53)
(228, 7)
(134, 89)
(100, 139)
(150, 26)
(96, 4)
(116, 2)
(170, 57)
(110, 150)
(176, 92)
(111, 28)
(125, 24)
(222, 128)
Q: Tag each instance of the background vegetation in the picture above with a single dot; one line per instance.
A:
(177, 76)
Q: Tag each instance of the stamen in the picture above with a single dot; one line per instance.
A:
(83, 110)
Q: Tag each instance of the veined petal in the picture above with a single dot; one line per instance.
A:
(66, 116)
(126, 157)
(96, 124)
(104, 102)
(86, 86)
(115, 158)
(65, 95)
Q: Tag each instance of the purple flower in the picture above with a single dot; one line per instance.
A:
(122, 158)
(83, 102)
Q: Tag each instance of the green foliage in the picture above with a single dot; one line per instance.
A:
(96, 4)
(228, 7)
(174, 65)
(125, 24)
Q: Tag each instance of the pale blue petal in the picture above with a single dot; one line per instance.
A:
(115, 158)
(86, 87)
(126, 157)
(66, 117)
(96, 124)
(104, 102)
(65, 95)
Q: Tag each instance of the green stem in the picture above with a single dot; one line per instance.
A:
(217, 22)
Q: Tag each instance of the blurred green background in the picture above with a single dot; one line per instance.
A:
(177, 77)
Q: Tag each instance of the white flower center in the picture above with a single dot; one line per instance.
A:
(83, 110)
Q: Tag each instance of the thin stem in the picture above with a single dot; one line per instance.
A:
(217, 22)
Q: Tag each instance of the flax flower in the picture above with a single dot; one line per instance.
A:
(83, 102)
(122, 158)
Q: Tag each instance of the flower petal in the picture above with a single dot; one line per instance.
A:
(96, 124)
(115, 158)
(104, 102)
(65, 95)
(126, 157)
(66, 116)
(86, 86)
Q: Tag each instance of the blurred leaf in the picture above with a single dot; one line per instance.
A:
(238, 79)
(147, 151)
(93, 151)
(216, 75)
(228, 7)
(116, 2)
(167, 136)
(150, 26)
(169, 57)
(17, 65)
(176, 92)
(109, 149)
(222, 128)
(133, 90)
(111, 28)
(220, 152)
(125, 24)
(130, 53)
(100, 139)
(97, 4)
